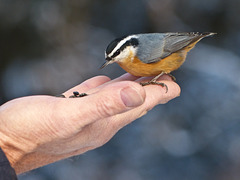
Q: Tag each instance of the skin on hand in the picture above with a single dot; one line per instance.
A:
(38, 130)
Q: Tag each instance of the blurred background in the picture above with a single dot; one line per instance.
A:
(49, 46)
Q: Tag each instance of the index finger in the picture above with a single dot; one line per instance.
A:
(154, 95)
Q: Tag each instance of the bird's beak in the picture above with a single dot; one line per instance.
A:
(108, 61)
(105, 64)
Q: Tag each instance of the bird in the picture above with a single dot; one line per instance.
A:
(152, 54)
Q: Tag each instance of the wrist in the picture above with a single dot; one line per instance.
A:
(12, 152)
(21, 157)
(12, 144)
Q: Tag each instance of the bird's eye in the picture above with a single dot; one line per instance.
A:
(118, 52)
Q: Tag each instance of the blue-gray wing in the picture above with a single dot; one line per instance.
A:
(156, 46)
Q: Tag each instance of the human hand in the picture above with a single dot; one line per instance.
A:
(38, 130)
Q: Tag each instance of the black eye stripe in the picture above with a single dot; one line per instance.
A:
(132, 42)
(116, 53)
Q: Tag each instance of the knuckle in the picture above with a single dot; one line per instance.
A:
(107, 108)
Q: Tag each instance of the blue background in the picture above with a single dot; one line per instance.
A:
(49, 46)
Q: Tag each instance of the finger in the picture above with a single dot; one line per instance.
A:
(124, 77)
(160, 80)
(112, 99)
(146, 79)
(87, 85)
(128, 77)
(154, 95)
(158, 95)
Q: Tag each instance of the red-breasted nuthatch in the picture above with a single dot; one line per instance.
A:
(152, 54)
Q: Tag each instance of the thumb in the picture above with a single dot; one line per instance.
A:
(115, 98)
(108, 101)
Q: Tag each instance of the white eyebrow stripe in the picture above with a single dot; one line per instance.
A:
(121, 43)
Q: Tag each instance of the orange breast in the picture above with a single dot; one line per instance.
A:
(137, 68)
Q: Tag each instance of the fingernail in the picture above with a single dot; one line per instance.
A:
(131, 98)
